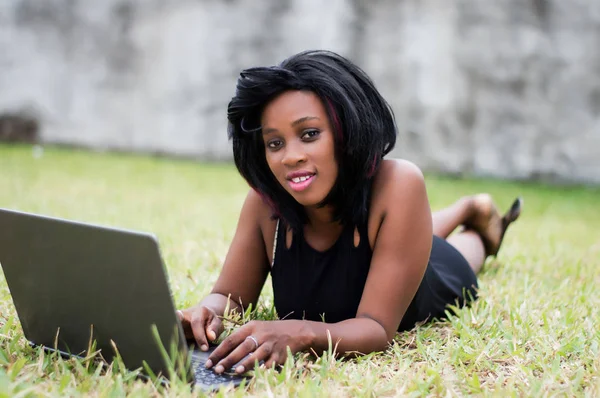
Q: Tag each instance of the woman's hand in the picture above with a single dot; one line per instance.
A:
(258, 341)
(202, 324)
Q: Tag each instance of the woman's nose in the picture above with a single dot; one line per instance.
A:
(294, 154)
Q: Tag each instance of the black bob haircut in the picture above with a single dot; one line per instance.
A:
(362, 121)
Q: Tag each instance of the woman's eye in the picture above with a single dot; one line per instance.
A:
(274, 144)
(310, 134)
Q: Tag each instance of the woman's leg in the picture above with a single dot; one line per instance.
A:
(445, 221)
(468, 243)
(484, 227)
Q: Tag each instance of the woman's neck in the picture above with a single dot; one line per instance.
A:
(319, 217)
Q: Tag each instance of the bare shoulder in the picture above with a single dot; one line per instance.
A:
(398, 184)
(246, 263)
(255, 204)
(257, 211)
(396, 176)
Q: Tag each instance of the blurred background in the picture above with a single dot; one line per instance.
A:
(503, 88)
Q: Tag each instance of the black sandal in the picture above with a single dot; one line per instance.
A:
(509, 217)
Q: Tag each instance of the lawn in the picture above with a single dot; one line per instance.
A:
(535, 331)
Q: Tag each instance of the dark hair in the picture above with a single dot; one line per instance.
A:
(362, 121)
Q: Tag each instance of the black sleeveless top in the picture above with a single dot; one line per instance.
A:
(320, 286)
(327, 286)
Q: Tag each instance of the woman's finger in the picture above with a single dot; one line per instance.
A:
(185, 323)
(228, 345)
(198, 326)
(245, 348)
(214, 328)
(275, 359)
(259, 356)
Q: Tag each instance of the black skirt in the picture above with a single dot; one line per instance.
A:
(448, 280)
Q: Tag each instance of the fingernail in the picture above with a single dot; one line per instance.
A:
(219, 369)
(240, 369)
(204, 347)
(211, 335)
(208, 364)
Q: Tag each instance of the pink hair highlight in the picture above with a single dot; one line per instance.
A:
(373, 166)
(336, 122)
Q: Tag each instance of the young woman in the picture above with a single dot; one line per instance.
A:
(348, 237)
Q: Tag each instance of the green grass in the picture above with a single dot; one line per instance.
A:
(534, 331)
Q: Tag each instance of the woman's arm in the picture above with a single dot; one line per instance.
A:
(402, 246)
(268, 341)
(241, 279)
(246, 265)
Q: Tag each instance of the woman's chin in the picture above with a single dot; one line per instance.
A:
(306, 200)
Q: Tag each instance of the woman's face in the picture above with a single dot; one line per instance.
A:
(299, 146)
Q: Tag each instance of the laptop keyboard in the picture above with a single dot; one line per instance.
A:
(207, 378)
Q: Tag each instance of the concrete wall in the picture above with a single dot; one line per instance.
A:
(508, 88)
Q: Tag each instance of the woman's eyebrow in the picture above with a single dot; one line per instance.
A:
(269, 130)
(303, 119)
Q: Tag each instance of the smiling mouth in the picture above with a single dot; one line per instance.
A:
(296, 180)
(299, 184)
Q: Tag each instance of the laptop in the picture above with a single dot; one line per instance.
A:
(73, 283)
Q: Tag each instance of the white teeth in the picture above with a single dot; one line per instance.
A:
(300, 179)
